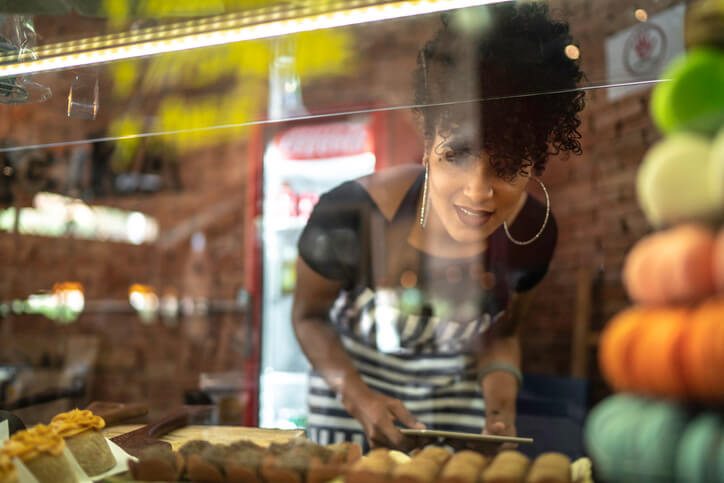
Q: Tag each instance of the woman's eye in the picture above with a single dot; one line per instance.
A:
(457, 155)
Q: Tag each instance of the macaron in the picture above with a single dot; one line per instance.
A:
(716, 172)
(641, 269)
(719, 458)
(689, 250)
(694, 99)
(719, 262)
(672, 266)
(607, 435)
(655, 364)
(672, 182)
(704, 24)
(656, 441)
(702, 352)
(616, 347)
(693, 458)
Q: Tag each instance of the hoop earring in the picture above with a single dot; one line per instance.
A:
(545, 220)
(425, 203)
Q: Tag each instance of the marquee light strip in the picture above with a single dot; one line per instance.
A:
(217, 31)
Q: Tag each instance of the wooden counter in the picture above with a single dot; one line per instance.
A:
(214, 434)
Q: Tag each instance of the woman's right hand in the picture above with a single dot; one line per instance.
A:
(377, 414)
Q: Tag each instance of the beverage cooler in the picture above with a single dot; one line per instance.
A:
(296, 163)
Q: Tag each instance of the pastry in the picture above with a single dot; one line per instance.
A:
(423, 467)
(40, 449)
(157, 463)
(715, 185)
(654, 363)
(463, 467)
(655, 435)
(376, 466)
(674, 266)
(436, 453)
(702, 352)
(81, 431)
(719, 262)
(607, 433)
(672, 182)
(8, 472)
(342, 457)
(693, 459)
(617, 345)
(244, 462)
(550, 468)
(704, 24)
(693, 99)
(507, 467)
(347, 453)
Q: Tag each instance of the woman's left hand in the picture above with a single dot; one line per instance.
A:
(501, 425)
(495, 425)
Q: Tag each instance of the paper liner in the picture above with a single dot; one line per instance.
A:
(25, 476)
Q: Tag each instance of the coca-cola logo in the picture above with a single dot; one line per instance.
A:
(645, 49)
(325, 141)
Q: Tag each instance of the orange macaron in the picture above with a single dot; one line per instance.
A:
(655, 365)
(617, 344)
(673, 266)
(702, 352)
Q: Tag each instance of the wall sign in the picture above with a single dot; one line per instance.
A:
(640, 53)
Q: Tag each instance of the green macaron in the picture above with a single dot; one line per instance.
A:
(693, 98)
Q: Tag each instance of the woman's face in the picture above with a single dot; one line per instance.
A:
(469, 199)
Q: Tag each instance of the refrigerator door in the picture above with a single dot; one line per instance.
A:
(300, 164)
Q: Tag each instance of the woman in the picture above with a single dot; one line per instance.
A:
(412, 281)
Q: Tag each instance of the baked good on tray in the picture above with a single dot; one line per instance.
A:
(463, 467)
(157, 463)
(40, 449)
(507, 467)
(81, 431)
(8, 472)
(550, 467)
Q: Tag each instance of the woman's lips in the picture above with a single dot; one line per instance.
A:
(471, 217)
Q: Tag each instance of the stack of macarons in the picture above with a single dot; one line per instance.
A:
(670, 344)
(635, 439)
(682, 176)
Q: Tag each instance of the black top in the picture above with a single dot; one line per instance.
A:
(348, 239)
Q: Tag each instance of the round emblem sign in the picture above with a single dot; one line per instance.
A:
(645, 49)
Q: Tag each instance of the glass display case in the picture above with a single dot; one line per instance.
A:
(280, 220)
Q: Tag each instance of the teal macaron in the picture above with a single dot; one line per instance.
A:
(608, 436)
(656, 442)
(719, 461)
(694, 462)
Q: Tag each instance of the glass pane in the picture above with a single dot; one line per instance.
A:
(303, 218)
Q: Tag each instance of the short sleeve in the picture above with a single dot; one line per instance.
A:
(529, 263)
(333, 242)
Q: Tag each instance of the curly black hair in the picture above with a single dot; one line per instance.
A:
(514, 76)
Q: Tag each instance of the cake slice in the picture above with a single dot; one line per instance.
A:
(81, 431)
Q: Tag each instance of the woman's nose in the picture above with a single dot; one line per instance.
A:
(478, 186)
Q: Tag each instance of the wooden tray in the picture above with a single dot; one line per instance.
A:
(214, 434)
